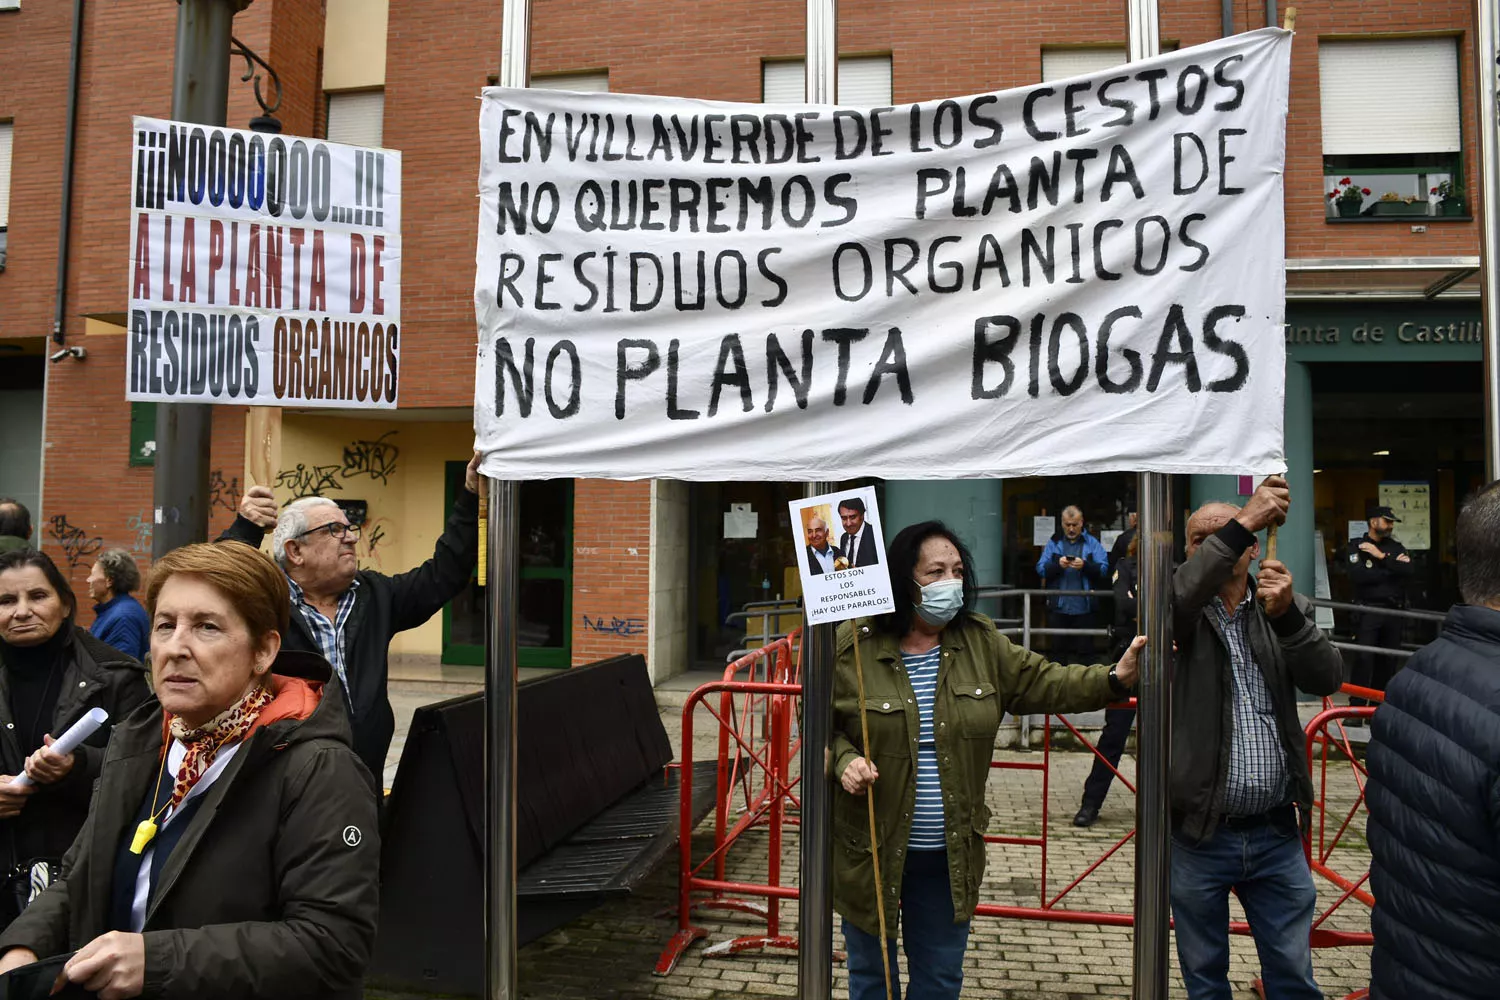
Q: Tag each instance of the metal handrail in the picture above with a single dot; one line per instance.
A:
(1424, 616)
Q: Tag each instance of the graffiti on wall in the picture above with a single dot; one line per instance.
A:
(139, 527)
(376, 459)
(77, 545)
(221, 493)
(615, 625)
(374, 539)
(304, 481)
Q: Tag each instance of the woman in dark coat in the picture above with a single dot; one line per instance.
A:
(231, 851)
(53, 673)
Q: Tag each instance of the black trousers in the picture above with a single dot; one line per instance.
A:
(1072, 648)
(1373, 670)
(1117, 723)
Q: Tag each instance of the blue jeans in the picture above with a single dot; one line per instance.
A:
(1265, 867)
(934, 944)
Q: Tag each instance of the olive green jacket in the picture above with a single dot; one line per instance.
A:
(981, 677)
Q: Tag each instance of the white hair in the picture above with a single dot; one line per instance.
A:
(293, 522)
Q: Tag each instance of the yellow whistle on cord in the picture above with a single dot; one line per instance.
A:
(144, 834)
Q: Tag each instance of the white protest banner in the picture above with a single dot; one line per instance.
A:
(842, 556)
(1076, 277)
(265, 269)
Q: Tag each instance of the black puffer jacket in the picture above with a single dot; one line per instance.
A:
(383, 606)
(272, 890)
(1434, 827)
(94, 675)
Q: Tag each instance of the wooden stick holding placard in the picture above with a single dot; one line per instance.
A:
(262, 445)
(864, 731)
(1290, 22)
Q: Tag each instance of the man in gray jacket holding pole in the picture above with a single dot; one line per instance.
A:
(1239, 772)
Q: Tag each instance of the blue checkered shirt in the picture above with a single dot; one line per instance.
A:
(329, 635)
(1257, 760)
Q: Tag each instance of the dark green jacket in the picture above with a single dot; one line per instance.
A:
(272, 890)
(982, 676)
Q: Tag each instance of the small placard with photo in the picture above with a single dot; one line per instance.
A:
(841, 555)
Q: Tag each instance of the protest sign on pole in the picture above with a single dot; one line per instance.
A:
(1076, 277)
(843, 570)
(265, 269)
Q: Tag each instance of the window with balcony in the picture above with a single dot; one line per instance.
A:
(1392, 141)
(864, 81)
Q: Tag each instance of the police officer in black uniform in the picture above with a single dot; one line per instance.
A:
(1379, 568)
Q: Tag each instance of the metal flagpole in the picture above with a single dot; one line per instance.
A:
(815, 902)
(1150, 962)
(1486, 64)
(200, 94)
(501, 981)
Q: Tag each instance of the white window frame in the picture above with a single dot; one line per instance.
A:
(361, 133)
(1062, 62)
(1390, 96)
(7, 141)
(784, 81)
(591, 82)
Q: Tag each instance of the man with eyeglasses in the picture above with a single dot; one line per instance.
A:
(350, 615)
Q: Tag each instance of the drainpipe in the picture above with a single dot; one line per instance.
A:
(1270, 13)
(58, 334)
(1226, 18)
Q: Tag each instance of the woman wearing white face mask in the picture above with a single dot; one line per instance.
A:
(938, 678)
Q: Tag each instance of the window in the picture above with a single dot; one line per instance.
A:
(142, 433)
(1060, 64)
(1391, 116)
(864, 81)
(10, 4)
(5, 140)
(357, 118)
(588, 83)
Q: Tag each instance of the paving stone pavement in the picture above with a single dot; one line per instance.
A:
(611, 952)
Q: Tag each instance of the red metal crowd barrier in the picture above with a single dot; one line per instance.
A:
(760, 730)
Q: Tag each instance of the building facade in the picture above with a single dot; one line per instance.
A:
(1383, 396)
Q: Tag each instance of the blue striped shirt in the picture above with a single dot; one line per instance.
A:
(1258, 775)
(328, 634)
(927, 830)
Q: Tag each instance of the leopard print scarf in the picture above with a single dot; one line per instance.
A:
(203, 743)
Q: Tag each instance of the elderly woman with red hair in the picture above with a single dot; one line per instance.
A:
(231, 850)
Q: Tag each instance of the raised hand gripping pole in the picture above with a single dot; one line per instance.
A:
(864, 733)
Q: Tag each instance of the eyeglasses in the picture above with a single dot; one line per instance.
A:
(335, 529)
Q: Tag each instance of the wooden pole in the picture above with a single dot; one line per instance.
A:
(262, 445)
(864, 731)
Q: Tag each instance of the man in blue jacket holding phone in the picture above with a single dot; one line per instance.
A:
(1073, 560)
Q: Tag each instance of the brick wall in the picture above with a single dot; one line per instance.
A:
(92, 498)
(439, 54)
(36, 37)
(611, 568)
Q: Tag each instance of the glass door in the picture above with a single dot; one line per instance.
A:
(546, 598)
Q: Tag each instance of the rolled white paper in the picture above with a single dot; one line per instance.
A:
(69, 741)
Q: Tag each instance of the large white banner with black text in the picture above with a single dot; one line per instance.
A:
(1082, 276)
(264, 269)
